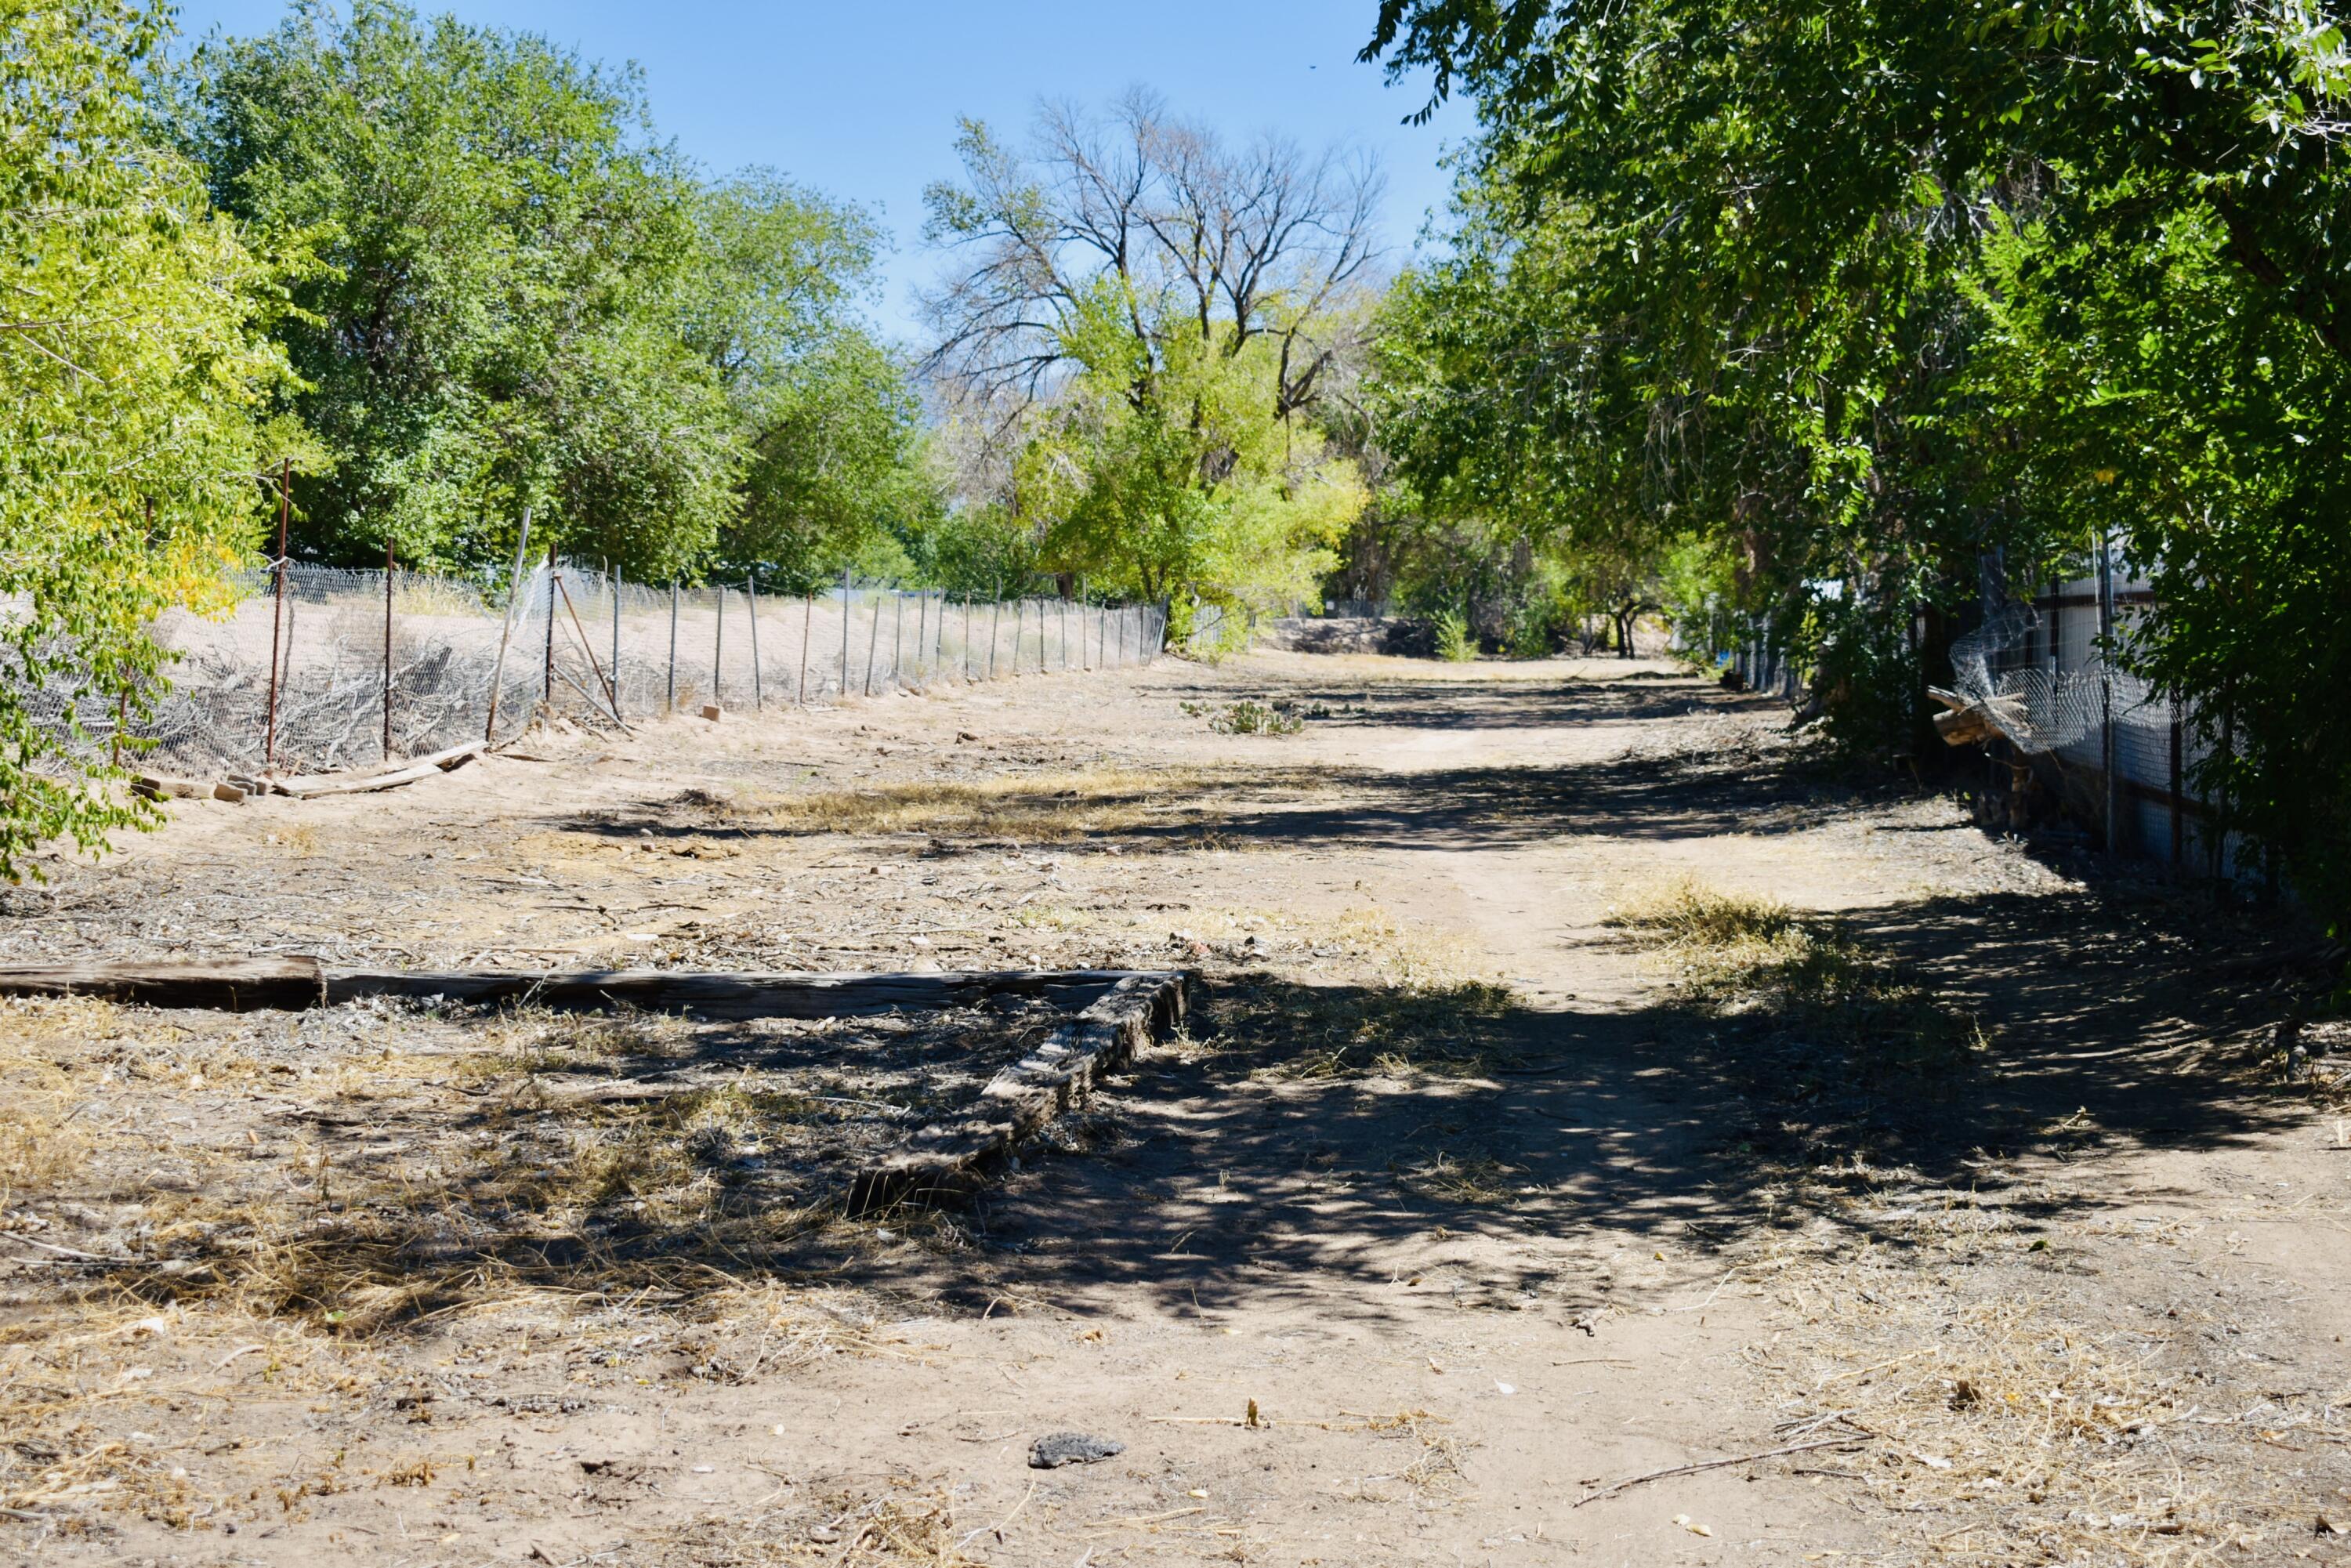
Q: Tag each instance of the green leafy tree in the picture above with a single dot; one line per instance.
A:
(495, 327)
(1906, 289)
(133, 363)
(834, 475)
(1527, 441)
(1141, 325)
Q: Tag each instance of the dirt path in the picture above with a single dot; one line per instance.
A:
(1461, 1199)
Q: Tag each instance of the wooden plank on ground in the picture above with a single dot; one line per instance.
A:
(295, 982)
(729, 995)
(235, 985)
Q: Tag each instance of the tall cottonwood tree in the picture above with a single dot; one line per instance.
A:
(528, 298)
(826, 413)
(500, 234)
(1139, 317)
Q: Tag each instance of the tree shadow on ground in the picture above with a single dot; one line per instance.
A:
(1326, 1134)
(1725, 788)
(1522, 702)
(1306, 1140)
(1302, 1144)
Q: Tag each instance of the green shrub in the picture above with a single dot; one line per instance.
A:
(1453, 639)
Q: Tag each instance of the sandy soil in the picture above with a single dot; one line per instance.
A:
(1457, 1204)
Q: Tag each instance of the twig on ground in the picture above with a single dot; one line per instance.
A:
(1611, 1489)
(998, 1528)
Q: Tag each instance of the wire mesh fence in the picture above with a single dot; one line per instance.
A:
(2115, 752)
(2124, 751)
(318, 668)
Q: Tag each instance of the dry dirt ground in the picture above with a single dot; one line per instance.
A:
(1583, 1082)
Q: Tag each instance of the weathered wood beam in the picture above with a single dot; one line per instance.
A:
(307, 786)
(294, 981)
(289, 982)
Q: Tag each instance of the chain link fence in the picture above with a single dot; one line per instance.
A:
(2116, 750)
(318, 669)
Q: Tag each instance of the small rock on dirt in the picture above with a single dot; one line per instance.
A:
(1050, 1453)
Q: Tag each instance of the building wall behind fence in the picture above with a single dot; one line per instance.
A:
(577, 645)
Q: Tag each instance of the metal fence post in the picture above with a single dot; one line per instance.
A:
(897, 634)
(995, 627)
(547, 695)
(505, 629)
(616, 642)
(2106, 689)
(387, 647)
(758, 693)
(673, 645)
(718, 651)
(277, 612)
(808, 614)
(873, 643)
(844, 634)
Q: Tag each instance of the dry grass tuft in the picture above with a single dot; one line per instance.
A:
(1825, 994)
(1413, 955)
(38, 1146)
(1438, 1466)
(1690, 913)
(1478, 1180)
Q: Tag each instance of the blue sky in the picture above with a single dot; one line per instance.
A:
(860, 100)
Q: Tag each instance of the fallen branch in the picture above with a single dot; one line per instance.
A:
(310, 786)
(1630, 1482)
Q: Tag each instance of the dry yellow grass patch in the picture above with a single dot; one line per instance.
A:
(1689, 913)
(1415, 956)
(2041, 1436)
(1040, 808)
(38, 1146)
(1734, 952)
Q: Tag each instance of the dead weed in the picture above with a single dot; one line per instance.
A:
(2057, 1439)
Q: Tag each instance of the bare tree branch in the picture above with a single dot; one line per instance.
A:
(1235, 244)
